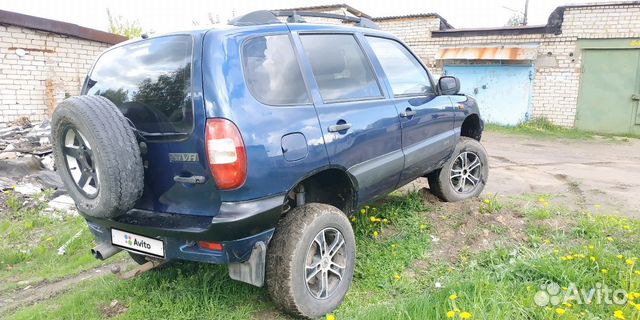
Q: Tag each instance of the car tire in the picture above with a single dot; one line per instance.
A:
(97, 156)
(469, 165)
(295, 246)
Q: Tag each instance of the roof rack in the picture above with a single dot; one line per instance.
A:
(270, 17)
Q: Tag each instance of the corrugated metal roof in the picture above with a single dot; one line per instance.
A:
(488, 53)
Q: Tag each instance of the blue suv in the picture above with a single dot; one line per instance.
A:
(251, 145)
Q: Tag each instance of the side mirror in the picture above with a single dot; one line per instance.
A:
(449, 85)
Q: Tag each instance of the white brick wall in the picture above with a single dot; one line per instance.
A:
(54, 67)
(555, 88)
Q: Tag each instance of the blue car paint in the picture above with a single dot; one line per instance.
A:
(373, 152)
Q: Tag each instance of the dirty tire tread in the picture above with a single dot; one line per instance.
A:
(115, 145)
(282, 247)
(439, 180)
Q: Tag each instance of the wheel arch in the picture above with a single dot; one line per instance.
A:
(331, 185)
(472, 127)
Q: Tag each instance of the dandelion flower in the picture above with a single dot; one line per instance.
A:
(569, 257)
(591, 247)
(546, 204)
(626, 227)
(453, 297)
(331, 317)
(592, 258)
(450, 314)
(487, 201)
(556, 251)
(465, 315)
(619, 257)
(372, 219)
(637, 272)
(629, 262)
(423, 226)
(568, 305)
(618, 314)
(375, 234)
(385, 220)
(546, 241)
(563, 258)
(353, 219)
(363, 211)
(397, 276)
(560, 311)
(610, 239)
(605, 271)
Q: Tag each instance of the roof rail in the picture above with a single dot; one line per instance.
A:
(270, 17)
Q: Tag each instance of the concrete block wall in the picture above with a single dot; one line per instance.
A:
(54, 67)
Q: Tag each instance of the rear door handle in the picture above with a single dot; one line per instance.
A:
(190, 180)
(407, 114)
(635, 97)
(340, 127)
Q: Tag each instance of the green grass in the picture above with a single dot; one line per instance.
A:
(497, 284)
(30, 242)
(543, 128)
(185, 290)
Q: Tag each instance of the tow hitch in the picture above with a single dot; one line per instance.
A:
(152, 264)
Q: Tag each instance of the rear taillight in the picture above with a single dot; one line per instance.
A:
(226, 153)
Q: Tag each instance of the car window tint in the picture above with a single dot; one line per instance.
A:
(149, 81)
(272, 72)
(340, 68)
(405, 74)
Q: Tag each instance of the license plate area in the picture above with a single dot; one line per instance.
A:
(137, 243)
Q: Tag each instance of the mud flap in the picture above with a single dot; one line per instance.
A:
(252, 270)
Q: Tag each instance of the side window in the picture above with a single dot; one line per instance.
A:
(340, 68)
(272, 72)
(405, 74)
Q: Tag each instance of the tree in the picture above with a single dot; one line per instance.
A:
(516, 20)
(123, 27)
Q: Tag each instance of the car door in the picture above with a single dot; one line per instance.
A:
(361, 129)
(427, 119)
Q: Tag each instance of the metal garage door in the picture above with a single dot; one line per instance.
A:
(609, 91)
(503, 91)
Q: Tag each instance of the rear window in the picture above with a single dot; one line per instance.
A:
(340, 68)
(150, 82)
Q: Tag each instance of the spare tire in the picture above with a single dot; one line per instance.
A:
(97, 156)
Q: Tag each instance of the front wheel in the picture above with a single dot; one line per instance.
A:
(310, 260)
(464, 175)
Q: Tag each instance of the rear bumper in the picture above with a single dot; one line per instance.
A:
(238, 227)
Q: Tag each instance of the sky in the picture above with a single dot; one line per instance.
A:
(160, 16)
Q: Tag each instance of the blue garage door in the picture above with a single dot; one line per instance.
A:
(503, 91)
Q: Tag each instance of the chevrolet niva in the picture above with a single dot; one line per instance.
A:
(251, 145)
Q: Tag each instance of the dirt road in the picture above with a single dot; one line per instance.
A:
(599, 175)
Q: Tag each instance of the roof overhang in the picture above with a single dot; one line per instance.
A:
(48, 25)
(502, 52)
